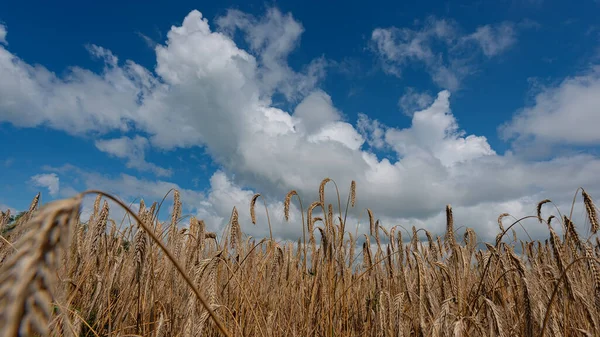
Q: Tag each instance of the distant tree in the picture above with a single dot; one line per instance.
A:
(12, 222)
(14, 218)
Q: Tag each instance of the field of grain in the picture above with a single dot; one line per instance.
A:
(61, 275)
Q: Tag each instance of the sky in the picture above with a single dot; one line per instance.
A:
(490, 106)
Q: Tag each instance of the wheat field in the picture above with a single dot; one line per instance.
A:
(61, 275)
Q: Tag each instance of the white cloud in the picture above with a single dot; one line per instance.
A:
(448, 65)
(272, 38)
(147, 40)
(5, 208)
(341, 132)
(3, 34)
(225, 194)
(434, 132)
(208, 92)
(564, 114)
(315, 111)
(132, 149)
(495, 39)
(81, 102)
(104, 54)
(371, 130)
(47, 180)
(412, 101)
(400, 46)
(130, 187)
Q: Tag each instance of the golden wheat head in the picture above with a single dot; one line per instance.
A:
(286, 204)
(252, 206)
(27, 277)
(590, 209)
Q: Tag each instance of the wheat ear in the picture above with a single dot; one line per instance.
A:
(27, 279)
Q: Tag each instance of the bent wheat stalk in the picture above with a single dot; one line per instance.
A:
(557, 286)
(170, 256)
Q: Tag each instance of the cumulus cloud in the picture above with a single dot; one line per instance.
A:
(272, 37)
(47, 180)
(448, 65)
(562, 114)
(315, 111)
(225, 194)
(81, 102)
(132, 149)
(208, 92)
(434, 132)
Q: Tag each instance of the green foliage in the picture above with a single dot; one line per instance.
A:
(14, 218)
(12, 222)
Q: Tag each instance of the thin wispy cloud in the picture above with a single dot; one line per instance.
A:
(399, 48)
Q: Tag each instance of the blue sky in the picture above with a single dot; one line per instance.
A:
(490, 106)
